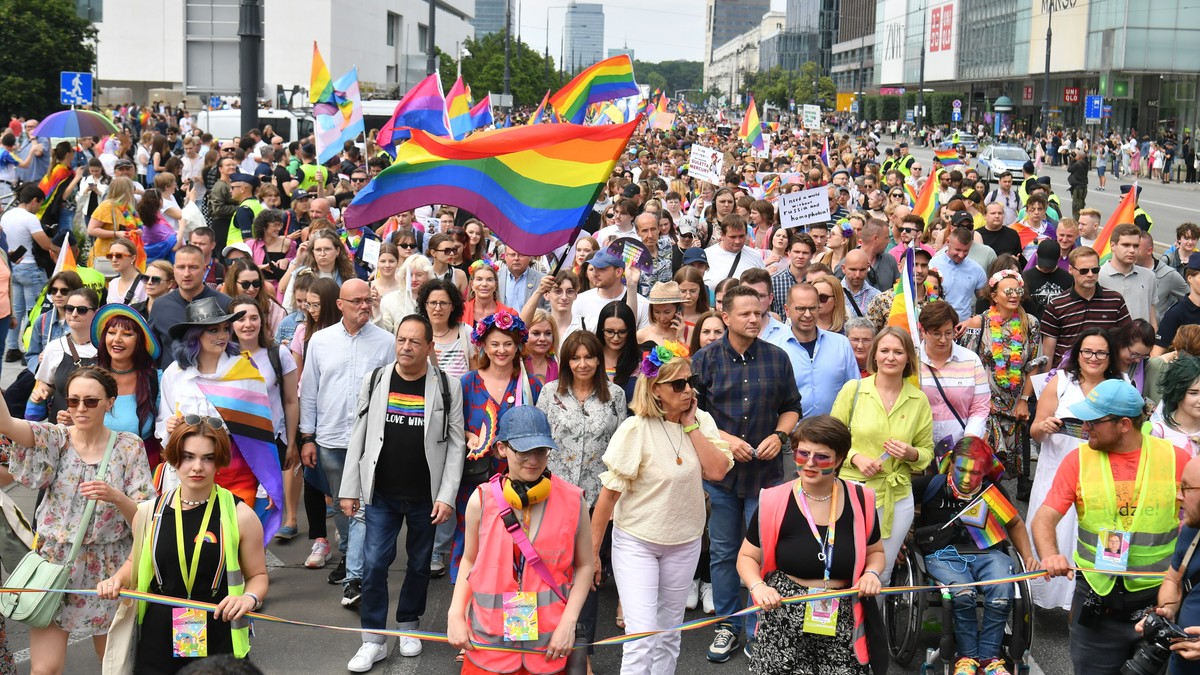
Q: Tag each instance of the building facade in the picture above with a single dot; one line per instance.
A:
(853, 54)
(489, 17)
(725, 69)
(583, 35)
(724, 20)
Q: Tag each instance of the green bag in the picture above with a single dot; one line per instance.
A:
(38, 609)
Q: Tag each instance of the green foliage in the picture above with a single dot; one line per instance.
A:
(778, 86)
(43, 38)
(483, 70)
(939, 106)
(671, 76)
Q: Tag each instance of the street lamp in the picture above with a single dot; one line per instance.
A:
(546, 56)
(920, 116)
(463, 53)
(1046, 75)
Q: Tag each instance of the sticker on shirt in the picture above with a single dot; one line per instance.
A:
(189, 633)
(820, 616)
(520, 616)
(1112, 551)
(406, 409)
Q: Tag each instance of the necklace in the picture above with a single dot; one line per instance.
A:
(188, 502)
(114, 371)
(442, 335)
(1006, 346)
(678, 459)
(815, 499)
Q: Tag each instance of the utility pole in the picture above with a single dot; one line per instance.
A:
(430, 49)
(507, 48)
(1046, 75)
(920, 116)
(250, 54)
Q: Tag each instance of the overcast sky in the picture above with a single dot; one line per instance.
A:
(658, 31)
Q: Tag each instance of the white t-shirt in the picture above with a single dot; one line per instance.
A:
(19, 226)
(720, 260)
(287, 364)
(606, 234)
(115, 295)
(588, 305)
(168, 201)
(54, 353)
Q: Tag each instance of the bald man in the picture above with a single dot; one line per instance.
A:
(859, 293)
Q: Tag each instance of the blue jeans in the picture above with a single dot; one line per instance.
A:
(726, 529)
(974, 640)
(385, 518)
(351, 545)
(27, 282)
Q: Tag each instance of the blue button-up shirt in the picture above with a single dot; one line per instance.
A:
(335, 365)
(515, 293)
(960, 283)
(819, 384)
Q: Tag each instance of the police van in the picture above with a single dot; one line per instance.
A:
(227, 124)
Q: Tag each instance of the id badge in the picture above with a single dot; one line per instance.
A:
(520, 616)
(820, 616)
(1112, 551)
(189, 633)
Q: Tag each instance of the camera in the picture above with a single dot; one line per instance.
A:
(1157, 636)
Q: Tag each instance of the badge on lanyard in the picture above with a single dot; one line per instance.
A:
(820, 616)
(189, 633)
(1112, 551)
(520, 616)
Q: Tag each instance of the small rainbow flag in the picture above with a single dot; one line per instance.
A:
(1000, 507)
(990, 534)
(536, 117)
(423, 107)
(1026, 233)
(910, 193)
(904, 313)
(927, 202)
(947, 157)
(607, 80)
(751, 131)
(339, 117)
(458, 110)
(55, 180)
(320, 88)
(532, 185)
(1124, 213)
(825, 151)
(481, 113)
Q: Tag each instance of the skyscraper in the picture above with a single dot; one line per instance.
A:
(727, 19)
(583, 35)
(489, 17)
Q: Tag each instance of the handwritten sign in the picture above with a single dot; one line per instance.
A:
(804, 207)
(706, 164)
(812, 117)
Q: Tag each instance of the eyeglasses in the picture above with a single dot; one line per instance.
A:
(564, 292)
(438, 303)
(449, 251)
(356, 301)
(154, 280)
(806, 310)
(76, 309)
(88, 402)
(817, 458)
(59, 290)
(534, 454)
(823, 298)
(1014, 292)
(861, 341)
(406, 246)
(679, 385)
(113, 255)
(1086, 270)
(1093, 423)
(939, 337)
(1184, 487)
(212, 422)
(615, 332)
(1093, 354)
(1137, 356)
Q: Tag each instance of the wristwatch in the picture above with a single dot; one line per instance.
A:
(1025, 397)
(783, 438)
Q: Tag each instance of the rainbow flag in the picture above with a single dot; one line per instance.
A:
(423, 107)
(658, 110)
(1027, 234)
(947, 157)
(927, 201)
(481, 113)
(910, 193)
(1124, 213)
(532, 185)
(339, 118)
(825, 151)
(239, 395)
(1000, 507)
(607, 80)
(751, 131)
(990, 533)
(904, 294)
(55, 180)
(320, 87)
(536, 117)
(458, 109)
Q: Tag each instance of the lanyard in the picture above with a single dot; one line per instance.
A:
(189, 576)
(826, 544)
(1110, 489)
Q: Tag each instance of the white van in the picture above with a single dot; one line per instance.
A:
(227, 124)
(377, 113)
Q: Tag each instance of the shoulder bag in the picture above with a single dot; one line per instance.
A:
(38, 609)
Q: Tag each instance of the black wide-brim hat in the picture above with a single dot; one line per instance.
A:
(203, 312)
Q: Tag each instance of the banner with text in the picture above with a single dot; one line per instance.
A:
(804, 207)
(706, 164)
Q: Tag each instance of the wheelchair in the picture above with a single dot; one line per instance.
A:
(904, 616)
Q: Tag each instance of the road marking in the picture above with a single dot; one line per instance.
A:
(273, 561)
(1034, 668)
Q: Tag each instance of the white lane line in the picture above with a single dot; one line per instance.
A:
(1034, 668)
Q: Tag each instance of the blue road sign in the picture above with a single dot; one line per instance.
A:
(956, 115)
(1092, 108)
(909, 115)
(75, 88)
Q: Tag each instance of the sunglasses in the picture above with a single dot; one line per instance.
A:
(406, 246)
(817, 458)
(88, 402)
(246, 285)
(679, 385)
(212, 422)
(58, 290)
(909, 230)
(154, 280)
(1087, 270)
(1014, 292)
(449, 251)
(76, 309)
(358, 180)
(117, 256)
(823, 298)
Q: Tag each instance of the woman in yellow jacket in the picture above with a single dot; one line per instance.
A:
(892, 427)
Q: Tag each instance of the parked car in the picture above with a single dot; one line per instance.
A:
(968, 142)
(996, 159)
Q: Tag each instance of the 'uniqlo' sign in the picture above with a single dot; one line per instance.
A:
(1071, 94)
(935, 29)
(1027, 94)
(947, 27)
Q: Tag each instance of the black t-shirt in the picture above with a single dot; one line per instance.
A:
(945, 506)
(402, 471)
(1182, 313)
(1041, 288)
(1004, 240)
(280, 175)
(796, 549)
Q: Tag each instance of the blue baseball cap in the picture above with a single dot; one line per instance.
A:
(697, 255)
(604, 259)
(1110, 397)
(525, 428)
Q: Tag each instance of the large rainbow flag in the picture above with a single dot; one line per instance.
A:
(339, 117)
(458, 109)
(607, 80)
(239, 395)
(751, 130)
(904, 297)
(423, 107)
(928, 200)
(1124, 213)
(531, 185)
(55, 181)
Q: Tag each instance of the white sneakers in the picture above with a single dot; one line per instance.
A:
(368, 655)
(706, 599)
(409, 646)
(693, 598)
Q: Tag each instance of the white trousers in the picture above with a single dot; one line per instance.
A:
(902, 520)
(653, 582)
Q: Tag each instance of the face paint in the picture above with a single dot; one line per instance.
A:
(967, 476)
(828, 472)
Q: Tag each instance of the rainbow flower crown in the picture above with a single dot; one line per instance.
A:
(479, 264)
(661, 355)
(502, 320)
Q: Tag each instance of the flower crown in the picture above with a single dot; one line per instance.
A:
(481, 263)
(660, 355)
(509, 323)
(1006, 274)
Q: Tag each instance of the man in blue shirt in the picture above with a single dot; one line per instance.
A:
(962, 278)
(518, 279)
(1176, 599)
(805, 344)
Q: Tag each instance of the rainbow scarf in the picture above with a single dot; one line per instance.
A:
(239, 394)
(607, 80)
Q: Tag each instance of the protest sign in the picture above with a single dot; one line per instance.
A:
(804, 207)
(706, 164)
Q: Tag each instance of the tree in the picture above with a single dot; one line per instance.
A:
(778, 86)
(43, 38)
(483, 70)
(671, 76)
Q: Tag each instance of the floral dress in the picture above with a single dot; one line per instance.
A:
(582, 431)
(52, 464)
(1016, 351)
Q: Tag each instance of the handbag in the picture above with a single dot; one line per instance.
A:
(37, 609)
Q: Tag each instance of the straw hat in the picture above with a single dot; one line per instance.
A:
(665, 293)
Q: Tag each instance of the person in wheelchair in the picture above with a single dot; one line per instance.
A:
(955, 555)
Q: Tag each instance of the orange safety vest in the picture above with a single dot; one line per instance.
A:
(772, 503)
(492, 577)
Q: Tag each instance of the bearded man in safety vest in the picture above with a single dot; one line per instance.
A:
(1123, 485)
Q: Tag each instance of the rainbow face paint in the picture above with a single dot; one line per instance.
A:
(966, 476)
(828, 472)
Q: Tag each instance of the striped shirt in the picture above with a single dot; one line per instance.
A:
(967, 389)
(1070, 314)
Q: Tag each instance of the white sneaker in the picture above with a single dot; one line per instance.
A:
(367, 656)
(706, 599)
(693, 594)
(409, 646)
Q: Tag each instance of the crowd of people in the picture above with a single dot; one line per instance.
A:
(230, 351)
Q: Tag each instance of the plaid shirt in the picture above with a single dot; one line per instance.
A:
(746, 395)
(781, 283)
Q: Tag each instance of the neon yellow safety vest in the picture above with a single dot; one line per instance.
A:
(1139, 212)
(235, 233)
(1154, 525)
(1022, 192)
(887, 166)
(309, 171)
(904, 165)
(230, 538)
